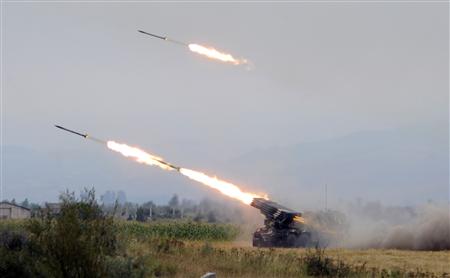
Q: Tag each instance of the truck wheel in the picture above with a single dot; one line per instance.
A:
(257, 240)
(291, 241)
(304, 240)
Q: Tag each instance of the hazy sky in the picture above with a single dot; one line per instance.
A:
(321, 71)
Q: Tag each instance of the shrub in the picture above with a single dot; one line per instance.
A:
(14, 260)
(81, 241)
(75, 242)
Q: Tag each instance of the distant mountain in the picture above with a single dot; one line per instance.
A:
(400, 166)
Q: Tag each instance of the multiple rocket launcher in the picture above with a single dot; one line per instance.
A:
(283, 227)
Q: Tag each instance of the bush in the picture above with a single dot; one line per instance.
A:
(81, 241)
(75, 242)
(14, 260)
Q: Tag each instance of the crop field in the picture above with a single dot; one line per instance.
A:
(184, 230)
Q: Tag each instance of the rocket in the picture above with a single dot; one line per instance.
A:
(163, 38)
(153, 35)
(87, 136)
(209, 52)
(72, 131)
(177, 168)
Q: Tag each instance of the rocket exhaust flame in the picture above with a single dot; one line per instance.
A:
(214, 54)
(141, 156)
(203, 50)
(224, 187)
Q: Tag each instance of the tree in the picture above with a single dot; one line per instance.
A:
(108, 198)
(35, 209)
(121, 197)
(140, 214)
(25, 203)
(212, 217)
(174, 202)
(148, 204)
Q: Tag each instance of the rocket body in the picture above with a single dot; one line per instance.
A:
(72, 131)
(87, 136)
(163, 38)
(153, 35)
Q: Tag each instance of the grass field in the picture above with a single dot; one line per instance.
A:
(190, 249)
(436, 263)
(230, 259)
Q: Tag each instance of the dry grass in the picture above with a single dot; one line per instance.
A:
(192, 259)
(436, 262)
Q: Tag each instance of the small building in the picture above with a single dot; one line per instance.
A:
(13, 211)
(53, 208)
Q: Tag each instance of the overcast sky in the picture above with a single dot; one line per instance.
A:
(321, 71)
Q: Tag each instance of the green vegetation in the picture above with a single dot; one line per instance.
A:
(79, 242)
(83, 241)
(185, 230)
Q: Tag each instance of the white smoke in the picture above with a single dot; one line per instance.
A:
(375, 226)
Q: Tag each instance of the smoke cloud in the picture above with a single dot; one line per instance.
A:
(374, 226)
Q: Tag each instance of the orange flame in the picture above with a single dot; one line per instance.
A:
(215, 54)
(224, 187)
